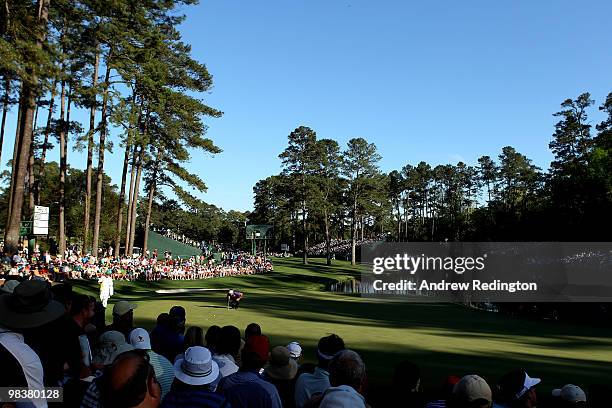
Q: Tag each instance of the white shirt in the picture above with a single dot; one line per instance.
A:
(30, 363)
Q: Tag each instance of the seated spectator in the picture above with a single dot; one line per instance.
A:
(472, 391)
(517, 390)
(193, 337)
(406, 383)
(192, 385)
(29, 306)
(227, 350)
(445, 393)
(123, 318)
(281, 371)
(570, 396)
(212, 338)
(308, 385)
(246, 388)
(347, 376)
(131, 382)
(164, 370)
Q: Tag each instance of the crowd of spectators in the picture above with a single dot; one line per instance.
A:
(339, 248)
(51, 336)
(75, 266)
(168, 233)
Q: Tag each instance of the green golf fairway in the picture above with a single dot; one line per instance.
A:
(443, 339)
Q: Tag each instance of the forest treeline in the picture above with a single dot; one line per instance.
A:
(325, 192)
(124, 65)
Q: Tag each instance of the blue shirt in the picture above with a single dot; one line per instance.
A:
(194, 399)
(249, 389)
(166, 342)
(308, 385)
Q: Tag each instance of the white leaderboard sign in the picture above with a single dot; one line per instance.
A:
(41, 220)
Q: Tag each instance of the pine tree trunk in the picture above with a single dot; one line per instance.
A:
(305, 237)
(102, 149)
(152, 190)
(5, 106)
(21, 167)
(31, 165)
(90, 148)
(43, 154)
(126, 160)
(327, 238)
(16, 149)
(134, 210)
(62, 180)
(130, 198)
(354, 233)
(148, 217)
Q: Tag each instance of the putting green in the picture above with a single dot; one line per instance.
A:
(291, 304)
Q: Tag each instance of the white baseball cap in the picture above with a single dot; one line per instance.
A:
(570, 393)
(528, 384)
(139, 338)
(295, 350)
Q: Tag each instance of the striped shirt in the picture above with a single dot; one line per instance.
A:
(436, 404)
(164, 371)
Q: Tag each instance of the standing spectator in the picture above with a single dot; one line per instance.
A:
(246, 388)
(130, 382)
(110, 346)
(178, 314)
(295, 350)
(193, 337)
(517, 390)
(570, 396)
(159, 331)
(407, 382)
(308, 385)
(212, 338)
(472, 391)
(9, 286)
(281, 371)
(446, 393)
(192, 386)
(347, 375)
(165, 337)
(253, 329)
(227, 350)
(29, 306)
(76, 346)
(164, 370)
(123, 318)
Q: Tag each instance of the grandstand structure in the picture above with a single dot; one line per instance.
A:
(163, 244)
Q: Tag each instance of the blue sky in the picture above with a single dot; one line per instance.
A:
(439, 81)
